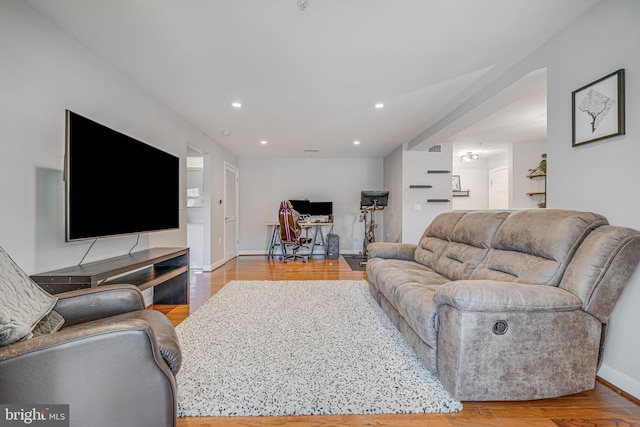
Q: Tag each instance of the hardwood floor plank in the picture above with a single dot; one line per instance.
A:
(599, 407)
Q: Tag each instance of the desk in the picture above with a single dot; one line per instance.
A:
(317, 237)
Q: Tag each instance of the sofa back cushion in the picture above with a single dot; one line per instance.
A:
(535, 246)
(436, 237)
(469, 243)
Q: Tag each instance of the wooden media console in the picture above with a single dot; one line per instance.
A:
(166, 270)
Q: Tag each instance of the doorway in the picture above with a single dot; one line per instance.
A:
(197, 209)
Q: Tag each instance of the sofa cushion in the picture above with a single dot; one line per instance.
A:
(435, 238)
(470, 241)
(390, 274)
(535, 246)
(23, 302)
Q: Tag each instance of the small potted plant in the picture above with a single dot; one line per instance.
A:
(541, 168)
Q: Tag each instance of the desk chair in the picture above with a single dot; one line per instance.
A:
(291, 233)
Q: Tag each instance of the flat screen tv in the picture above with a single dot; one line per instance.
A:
(115, 184)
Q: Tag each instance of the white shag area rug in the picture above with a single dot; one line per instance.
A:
(260, 348)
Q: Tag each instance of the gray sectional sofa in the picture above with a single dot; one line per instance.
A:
(507, 305)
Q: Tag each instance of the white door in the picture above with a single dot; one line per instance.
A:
(499, 188)
(230, 212)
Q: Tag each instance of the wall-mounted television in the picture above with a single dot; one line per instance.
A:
(116, 184)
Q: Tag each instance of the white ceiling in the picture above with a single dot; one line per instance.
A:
(309, 79)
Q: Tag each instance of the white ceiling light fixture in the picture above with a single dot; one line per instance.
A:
(379, 105)
(264, 142)
(356, 142)
(236, 105)
(302, 4)
(469, 157)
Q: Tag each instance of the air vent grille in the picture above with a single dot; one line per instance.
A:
(435, 149)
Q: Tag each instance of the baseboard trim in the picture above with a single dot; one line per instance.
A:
(618, 390)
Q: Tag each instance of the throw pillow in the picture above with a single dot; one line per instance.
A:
(23, 302)
(12, 330)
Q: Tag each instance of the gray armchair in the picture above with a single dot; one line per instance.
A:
(112, 361)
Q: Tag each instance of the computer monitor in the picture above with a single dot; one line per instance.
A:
(320, 208)
(301, 206)
(306, 207)
(374, 199)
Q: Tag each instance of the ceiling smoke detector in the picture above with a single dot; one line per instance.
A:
(302, 4)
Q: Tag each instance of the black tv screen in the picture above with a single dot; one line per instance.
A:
(115, 184)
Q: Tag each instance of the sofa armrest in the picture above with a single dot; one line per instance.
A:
(497, 296)
(389, 250)
(89, 304)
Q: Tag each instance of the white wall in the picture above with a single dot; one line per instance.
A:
(600, 176)
(417, 213)
(265, 182)
(525, 156)
(44, 72)
(393, 182)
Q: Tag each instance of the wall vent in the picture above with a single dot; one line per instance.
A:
(435, 149)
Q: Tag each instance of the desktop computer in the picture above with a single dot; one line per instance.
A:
(333, 246)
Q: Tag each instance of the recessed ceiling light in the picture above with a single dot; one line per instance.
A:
(225, 133)
(263, 142)
(236, 105)
(379, 105)
(356, 142)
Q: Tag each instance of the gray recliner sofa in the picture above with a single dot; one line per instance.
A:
(507, 305)
(97, 350)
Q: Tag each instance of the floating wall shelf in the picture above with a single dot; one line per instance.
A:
(421, 186)
(543, 201)
(438, 171)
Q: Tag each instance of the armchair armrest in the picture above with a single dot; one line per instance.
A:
(389, 250)
(497, 296)
(89, 304)
(122, 357)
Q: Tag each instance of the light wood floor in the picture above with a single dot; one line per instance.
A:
(600, 407)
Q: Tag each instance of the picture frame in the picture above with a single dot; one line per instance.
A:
(456, 183)
(597, 109)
